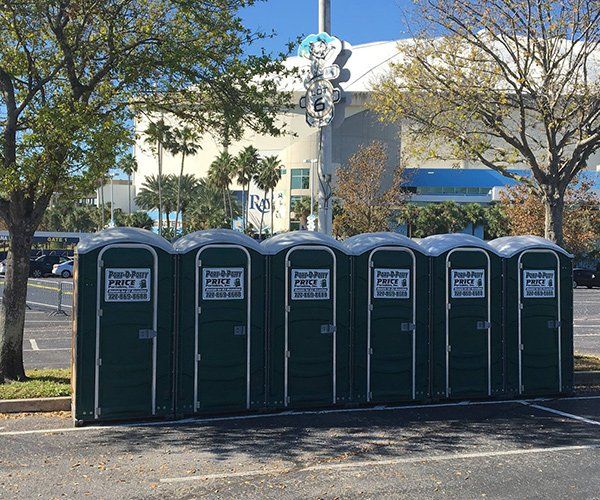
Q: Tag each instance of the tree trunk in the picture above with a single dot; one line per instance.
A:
(554, 205)
(272, 210)
(12, 308)
(262, 216)
(160, 201)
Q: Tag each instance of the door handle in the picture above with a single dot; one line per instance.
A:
(483, 325)
(408, 327)
(239, 330)
(328, 328)
(552, 324)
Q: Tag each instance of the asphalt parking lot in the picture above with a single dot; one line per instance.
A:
(48, 338)
(533, 449)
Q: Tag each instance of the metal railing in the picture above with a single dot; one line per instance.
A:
(54, 295)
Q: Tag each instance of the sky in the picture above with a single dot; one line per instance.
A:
(356, 21)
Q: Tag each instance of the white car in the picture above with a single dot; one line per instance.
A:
(64, 269)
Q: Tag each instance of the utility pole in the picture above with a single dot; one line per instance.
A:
(325, 212)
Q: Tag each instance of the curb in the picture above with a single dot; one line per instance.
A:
(587, 378)
(35, 405)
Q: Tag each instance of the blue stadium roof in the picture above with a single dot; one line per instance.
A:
(473, 177)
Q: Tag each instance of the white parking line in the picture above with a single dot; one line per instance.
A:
(208, 420)
(586, 335)
(378, 463)
(48, 349)
(563, 414)
(34, 345)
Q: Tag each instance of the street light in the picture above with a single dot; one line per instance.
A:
(112, 202)
(311, 180)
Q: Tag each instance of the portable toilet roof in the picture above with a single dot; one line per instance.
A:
(282, 241)
(215, 236)
(361, 243)
(117, 235)
(439, 243)
(508, 246)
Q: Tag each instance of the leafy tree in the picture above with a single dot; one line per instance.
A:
(139, 219)
(128, 165)
(220, 173)
(502, 83)
(157, 134)
(246, 166)
(524, 213)
(267, 178)
(367, 204)
(183, 141)
(72, 72)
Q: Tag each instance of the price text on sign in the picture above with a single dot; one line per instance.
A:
(222, 283)
(391, 283)
(538, 284)
(468, 283)
(310, 284)
(127, 285)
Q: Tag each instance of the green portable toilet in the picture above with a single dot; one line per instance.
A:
(221, 322)
(466, 308)
(538, 288)
(309, 310)
(390, 310)
(123, 326)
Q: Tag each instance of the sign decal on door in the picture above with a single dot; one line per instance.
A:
(127, 285)
(310, 284)
(391, 283)
(222, 283)
(538, 284)
(468, 283)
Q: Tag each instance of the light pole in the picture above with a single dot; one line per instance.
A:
(112, 202)
(312, 163)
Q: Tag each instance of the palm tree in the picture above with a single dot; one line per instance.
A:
(268, 176)
(206, 210)
(183, 141)
(156, 135)
(219, 175)
(128, 165)
(156, 192)
(187, 191)
(246, 165)
(302, 209)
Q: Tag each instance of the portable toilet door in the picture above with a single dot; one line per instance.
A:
(309, 262)
(465, 303)
(539, 270)
(391, 278)
(227, 271)
(132, 273)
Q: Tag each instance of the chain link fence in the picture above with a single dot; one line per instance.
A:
(55, 296)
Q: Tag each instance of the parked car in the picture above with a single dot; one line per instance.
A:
(42, 266)
(585, 277)
(3, 267)
(64, 269)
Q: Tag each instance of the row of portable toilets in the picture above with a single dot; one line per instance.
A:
(220, 323)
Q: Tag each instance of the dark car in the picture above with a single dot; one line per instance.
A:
(42, 266)
(586, 277)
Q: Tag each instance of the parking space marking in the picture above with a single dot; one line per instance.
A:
(378, 463)
(48, 349)
(563, 414)
(34, 345)
(586, 335)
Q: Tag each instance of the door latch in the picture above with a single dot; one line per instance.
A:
(146, 334)
(552, 324)
(328, 328)
(407, 327)
(239, 330)
(483, 325)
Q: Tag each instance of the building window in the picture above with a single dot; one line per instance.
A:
(294, 219)
(300, 178)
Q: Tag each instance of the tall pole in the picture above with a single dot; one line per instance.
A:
(112, 203)
(325, 212)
